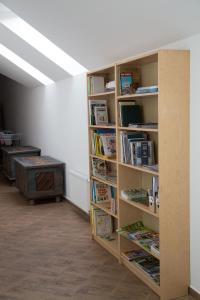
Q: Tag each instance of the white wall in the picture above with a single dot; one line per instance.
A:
(54, 118)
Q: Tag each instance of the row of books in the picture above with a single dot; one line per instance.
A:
(104, 194)
(103, 224)
(144, 261)
(129, 84)
(147, 238)
(98, 84)
(136, 149)
(104, 143)
(130, 114)
(98, 112)
(104, 170)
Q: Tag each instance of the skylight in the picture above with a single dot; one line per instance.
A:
(22, 64)
(39, 42)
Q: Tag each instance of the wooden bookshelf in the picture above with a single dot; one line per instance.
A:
(133, 96)
(102, 94)
(103, 126)
(142, 169)
(140, 246)
(141, 274)
(108, 182)
(169, 69)
(110, 246)
(112, 160)
(105, 207)
(138, 129)
(142, 207)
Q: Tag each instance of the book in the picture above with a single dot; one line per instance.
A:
(101, 192)
(126, 83)
(109, 145)
(129, 81)
(133, 254)
(92, 105)
(147, 89)
(101, 115)
(130, 114)
(104, 143)
(102, 223)
(96, 85)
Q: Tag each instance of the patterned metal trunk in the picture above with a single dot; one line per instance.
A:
(10, 153)
(40, 177)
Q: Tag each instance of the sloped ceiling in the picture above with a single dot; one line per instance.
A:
(97, 33)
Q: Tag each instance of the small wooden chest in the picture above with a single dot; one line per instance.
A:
(9, 153)
(40, 177)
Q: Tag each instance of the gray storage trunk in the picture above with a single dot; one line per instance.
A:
(40, 177)
(11, 152)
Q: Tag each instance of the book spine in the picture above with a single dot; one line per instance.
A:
(150, 153)
(144, 153)
(138, 159)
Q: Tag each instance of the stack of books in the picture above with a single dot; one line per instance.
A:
(104, 170)
(135, 149)
(147, 89)
(104, 143)
(143, 235)
(96, 84)
(150, 265)
(98, 111)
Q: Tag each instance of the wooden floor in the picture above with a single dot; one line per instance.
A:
(46, 253)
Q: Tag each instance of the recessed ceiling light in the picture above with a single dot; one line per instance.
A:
(39, 42)
(22, 64)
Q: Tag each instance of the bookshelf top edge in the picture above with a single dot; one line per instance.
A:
(102, 70)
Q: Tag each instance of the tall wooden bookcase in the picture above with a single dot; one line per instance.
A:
(169, 107)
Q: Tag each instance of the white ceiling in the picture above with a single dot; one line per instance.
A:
(97, 32)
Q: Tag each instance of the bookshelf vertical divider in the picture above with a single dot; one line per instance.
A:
(169, 107)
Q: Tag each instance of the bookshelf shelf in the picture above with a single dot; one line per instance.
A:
(101, 94)
(142, 275)
(141, 207)
(105, 207)
(169, 70)
(110, 246)
(103, 126)
(139, 245)
(110, 183)
(133, 96)
(138, 129)
(142, 169)
(112, 160)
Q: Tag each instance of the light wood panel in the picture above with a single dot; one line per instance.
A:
(170, 108)
(174, 171)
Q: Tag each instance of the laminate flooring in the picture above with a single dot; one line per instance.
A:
(46, 253)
